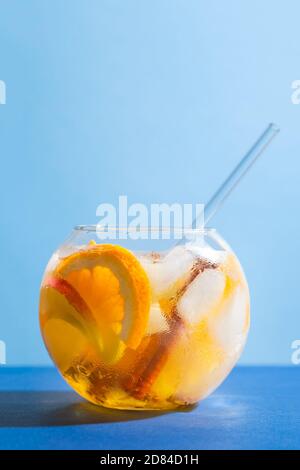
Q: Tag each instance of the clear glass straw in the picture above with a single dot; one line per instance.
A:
(237, 173)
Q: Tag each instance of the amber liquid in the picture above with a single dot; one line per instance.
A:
(176, 362)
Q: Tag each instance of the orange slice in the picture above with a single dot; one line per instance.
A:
(109, 290)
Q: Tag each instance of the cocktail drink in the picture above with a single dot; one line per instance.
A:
(144, 329)
(134, 327)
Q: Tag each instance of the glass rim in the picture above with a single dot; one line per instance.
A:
(121, 228)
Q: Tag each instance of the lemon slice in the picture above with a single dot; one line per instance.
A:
(61, 304)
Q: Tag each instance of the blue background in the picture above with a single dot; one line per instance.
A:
(157, 100)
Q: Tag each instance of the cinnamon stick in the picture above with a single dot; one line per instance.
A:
(151, 363)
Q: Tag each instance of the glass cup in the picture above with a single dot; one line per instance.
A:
(134, 320)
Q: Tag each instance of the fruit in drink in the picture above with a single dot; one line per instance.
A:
(144, 331)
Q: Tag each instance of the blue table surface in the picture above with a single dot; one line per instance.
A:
(255, 408)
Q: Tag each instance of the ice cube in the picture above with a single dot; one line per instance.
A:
(230, 328)
(201, 296)
(163, 273)
(234, 269)
(208, 253)
(157, 321)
